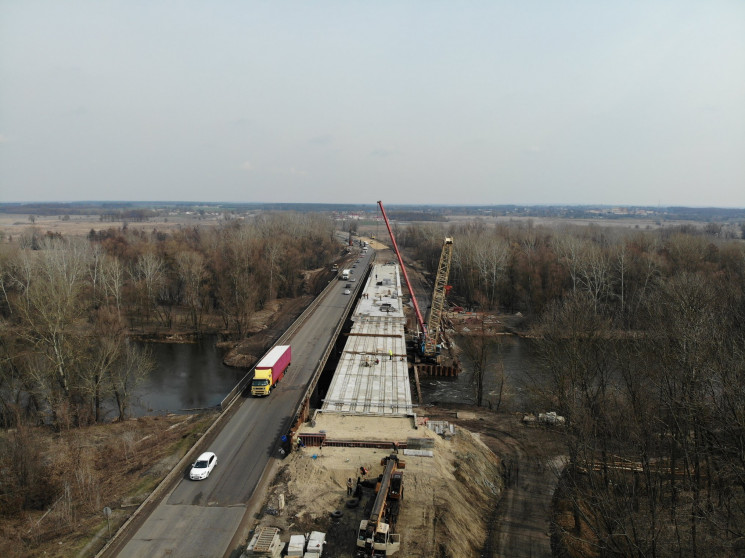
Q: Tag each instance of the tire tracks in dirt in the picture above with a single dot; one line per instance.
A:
(532, 460)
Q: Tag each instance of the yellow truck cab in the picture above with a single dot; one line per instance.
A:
(270, 370)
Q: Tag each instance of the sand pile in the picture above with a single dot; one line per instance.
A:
(448, 498)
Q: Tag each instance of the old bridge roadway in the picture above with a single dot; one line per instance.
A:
(207, 518)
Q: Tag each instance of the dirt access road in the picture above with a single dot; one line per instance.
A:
(532, 459)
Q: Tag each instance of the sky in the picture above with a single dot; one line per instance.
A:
(617, 102)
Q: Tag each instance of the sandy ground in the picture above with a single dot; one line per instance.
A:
(448, 498)
(532, 459)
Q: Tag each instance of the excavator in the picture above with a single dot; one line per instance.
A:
(428, 347)
(375, 538)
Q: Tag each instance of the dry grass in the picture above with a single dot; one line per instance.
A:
(113, 465)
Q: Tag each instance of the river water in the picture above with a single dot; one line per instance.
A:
(187, 376)
(192, 376)
(521, 372)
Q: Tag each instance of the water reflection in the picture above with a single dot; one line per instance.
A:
(521, 373)
(186, 376)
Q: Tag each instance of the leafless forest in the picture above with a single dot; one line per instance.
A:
(643, 336)
(642, 333)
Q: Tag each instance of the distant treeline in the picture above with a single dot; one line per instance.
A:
(407, 213)
(135, 215)
(79, 208)
(522, 267)
(416, 216)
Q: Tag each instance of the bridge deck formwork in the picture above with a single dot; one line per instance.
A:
(372, 377)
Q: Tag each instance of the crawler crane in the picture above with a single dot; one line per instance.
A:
(375, 538)
(428, 345)
(438, 298)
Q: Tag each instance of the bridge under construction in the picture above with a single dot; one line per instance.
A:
(372, 377)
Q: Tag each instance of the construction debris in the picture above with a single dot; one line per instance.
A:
(266, 543)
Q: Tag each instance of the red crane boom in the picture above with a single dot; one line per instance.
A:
(419, 317)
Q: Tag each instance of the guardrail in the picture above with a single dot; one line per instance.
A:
(243, 382)
(322, 361)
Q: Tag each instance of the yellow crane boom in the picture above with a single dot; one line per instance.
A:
(438, 298)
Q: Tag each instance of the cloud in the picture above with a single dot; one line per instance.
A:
(247, 166)
(4, 138)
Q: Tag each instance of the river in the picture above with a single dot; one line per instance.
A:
(186, 376)
(192, 376)
(521, 371)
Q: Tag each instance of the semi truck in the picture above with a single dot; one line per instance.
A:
(270, 370)
(345, 273)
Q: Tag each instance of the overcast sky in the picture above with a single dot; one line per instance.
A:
(426, 102)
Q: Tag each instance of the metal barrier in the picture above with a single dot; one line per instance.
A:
(243, 382)
(322, 361)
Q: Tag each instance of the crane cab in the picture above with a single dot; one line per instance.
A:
(376, 540)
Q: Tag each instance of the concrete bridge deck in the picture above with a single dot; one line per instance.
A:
(372, 376)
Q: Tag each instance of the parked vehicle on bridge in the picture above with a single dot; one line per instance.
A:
(270, 370)
(203, 466)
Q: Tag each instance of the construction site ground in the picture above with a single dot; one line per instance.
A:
(486, 490)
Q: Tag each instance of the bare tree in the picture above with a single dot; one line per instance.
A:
(192, 273)
(482, 351)
(51, 308)
(594, 274)
(569, 248)
(128, 372)
(149, 276)
(273, 250)
(112, 279)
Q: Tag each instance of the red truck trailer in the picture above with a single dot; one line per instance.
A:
(270, 370)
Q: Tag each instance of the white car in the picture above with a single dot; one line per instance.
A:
(347, 291)
(203, 466)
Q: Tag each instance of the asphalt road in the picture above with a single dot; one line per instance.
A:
(200, 518)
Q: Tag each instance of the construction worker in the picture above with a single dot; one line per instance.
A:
(349, 486)
(390, 354)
